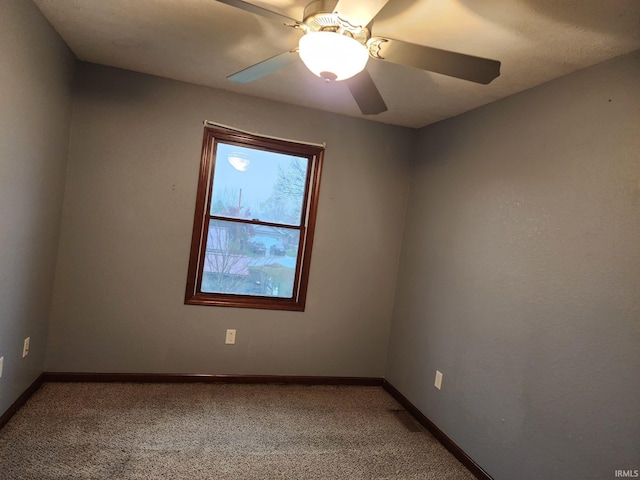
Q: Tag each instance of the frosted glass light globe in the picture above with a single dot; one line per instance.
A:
(332, 56)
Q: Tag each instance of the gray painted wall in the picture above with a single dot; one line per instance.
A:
(126, 232)
(520, 278)
(35, 97)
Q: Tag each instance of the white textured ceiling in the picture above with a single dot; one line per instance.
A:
(204, 41)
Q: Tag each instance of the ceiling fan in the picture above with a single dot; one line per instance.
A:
(337, 44)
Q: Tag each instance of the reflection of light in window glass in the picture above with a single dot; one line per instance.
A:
(239, 161)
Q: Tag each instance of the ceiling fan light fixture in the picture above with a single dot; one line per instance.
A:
(332, 56)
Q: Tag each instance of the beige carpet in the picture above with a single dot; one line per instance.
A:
(217, 431)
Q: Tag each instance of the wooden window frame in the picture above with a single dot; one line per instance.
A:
(314, 153)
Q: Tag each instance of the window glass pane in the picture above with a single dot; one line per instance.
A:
(253, 184)
(245, 259)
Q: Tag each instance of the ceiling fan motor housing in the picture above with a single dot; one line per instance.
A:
(319, 17)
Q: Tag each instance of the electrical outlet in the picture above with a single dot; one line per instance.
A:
(1, 363)
(25, 347)
(438, 382)
(231, 336)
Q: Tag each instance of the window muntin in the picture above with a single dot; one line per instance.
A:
(254, 221)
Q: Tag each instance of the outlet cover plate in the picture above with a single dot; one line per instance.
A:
(438, 382)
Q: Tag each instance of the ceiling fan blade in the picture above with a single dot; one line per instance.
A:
(459, 65)
(357, 12)
(366, 94)
(249, 7)
(264, 68)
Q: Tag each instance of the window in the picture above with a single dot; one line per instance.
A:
(254, 221)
